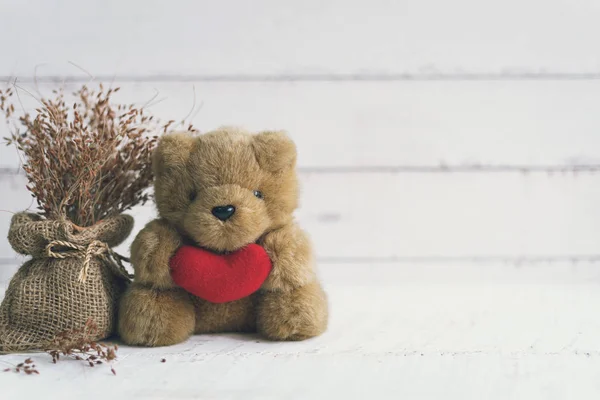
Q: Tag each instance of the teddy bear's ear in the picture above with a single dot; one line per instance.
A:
(172, 151)
(274, 150)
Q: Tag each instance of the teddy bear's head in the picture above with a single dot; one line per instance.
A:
(226, 188)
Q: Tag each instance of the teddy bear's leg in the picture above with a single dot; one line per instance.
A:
(155, 317)
(293, 315)
(234, 316)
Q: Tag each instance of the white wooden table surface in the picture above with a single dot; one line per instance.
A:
(423, 331)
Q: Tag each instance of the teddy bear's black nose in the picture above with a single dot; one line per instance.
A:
(223, 212)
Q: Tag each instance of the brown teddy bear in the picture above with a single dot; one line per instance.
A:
(251, 180)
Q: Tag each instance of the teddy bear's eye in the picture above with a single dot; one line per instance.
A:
(192, 195)
(258, 194)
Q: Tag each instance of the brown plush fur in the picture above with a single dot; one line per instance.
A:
(193, 174)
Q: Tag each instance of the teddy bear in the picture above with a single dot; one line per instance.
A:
(223, 191)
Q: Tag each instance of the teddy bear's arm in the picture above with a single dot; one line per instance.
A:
(292, 304)
(290, 251)
(151, 250)
(153, 312)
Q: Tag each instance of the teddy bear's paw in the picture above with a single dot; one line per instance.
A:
(290, 252)
(151, 251)
(151, 317)
(295, 315)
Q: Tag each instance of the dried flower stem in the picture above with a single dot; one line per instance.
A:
(86, 161)
(77, 345)
(27, 366)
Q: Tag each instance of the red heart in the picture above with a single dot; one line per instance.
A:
(220, 278)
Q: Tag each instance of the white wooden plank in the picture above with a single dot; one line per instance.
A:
(388, 338)
(399, 215)
(266, 37)
(390, 123)
(415, 217)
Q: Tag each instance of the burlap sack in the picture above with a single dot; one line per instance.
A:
(73, 277)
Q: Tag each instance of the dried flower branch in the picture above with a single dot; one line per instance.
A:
(86, 161)
(26, 366)
(77, 345)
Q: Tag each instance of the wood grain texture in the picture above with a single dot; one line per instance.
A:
(388, 124)
(269, 37)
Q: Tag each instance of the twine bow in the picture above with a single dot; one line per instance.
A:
(96, 248)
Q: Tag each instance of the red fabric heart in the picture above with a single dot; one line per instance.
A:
(220, 278)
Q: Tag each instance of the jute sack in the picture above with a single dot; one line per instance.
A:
(73, 277)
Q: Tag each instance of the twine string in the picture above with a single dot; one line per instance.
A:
(95, 248)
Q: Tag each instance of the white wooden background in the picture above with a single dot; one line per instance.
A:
(426, 129)
(459, 134)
